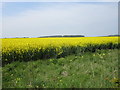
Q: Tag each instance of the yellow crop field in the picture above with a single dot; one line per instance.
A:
(36, 48)
(26, 43)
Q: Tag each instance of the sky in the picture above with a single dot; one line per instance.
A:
(59, 0)
(34, 19)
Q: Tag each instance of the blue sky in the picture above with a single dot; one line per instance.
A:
(33, 19)
(10, 8)
(13, 8)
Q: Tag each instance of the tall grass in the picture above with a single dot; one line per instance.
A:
(88, 70)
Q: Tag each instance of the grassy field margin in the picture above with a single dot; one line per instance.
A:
(89, 70)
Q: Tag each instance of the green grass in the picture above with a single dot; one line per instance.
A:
(88, 70)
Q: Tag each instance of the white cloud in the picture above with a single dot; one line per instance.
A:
(90, 20)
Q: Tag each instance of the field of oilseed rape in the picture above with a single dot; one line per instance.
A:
(26, 49)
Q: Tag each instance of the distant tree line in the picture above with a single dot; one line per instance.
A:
(110, 36)
(65, 36)
(113, 35)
